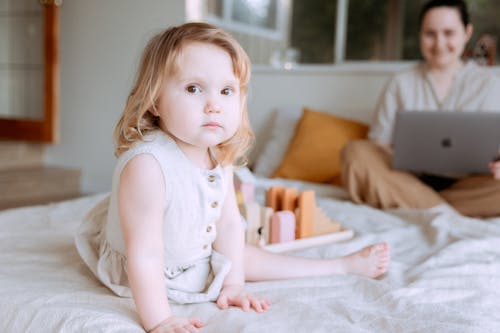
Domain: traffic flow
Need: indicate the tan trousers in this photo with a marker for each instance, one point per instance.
(368, 176)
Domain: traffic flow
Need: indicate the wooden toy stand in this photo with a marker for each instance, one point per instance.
(289, 221)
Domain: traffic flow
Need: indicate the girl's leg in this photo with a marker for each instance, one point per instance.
(260, 265)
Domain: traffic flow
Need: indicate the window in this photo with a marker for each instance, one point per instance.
(261, 26)
(335, 31)
(254, 17)
(375, 30)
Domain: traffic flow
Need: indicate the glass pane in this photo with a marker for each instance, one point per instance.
(313, 30)
(260, 13)
(410, 44)
(366, 30)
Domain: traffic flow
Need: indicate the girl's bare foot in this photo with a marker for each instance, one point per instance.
(372, 261)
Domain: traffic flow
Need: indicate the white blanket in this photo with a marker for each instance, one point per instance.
(444, 277)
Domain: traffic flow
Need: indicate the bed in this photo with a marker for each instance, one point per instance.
(444, 276)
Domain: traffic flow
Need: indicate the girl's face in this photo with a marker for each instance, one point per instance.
(443, 37)
(201, 105)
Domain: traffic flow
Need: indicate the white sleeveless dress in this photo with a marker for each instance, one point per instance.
(193, 201)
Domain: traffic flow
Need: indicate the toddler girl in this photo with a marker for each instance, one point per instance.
(171, 229)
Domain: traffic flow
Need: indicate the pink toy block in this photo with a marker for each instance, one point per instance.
(282, 227)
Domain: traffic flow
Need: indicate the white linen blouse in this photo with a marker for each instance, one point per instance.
(473, 89)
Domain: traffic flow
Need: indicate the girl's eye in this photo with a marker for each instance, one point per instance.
(193, 89)
(227, 91)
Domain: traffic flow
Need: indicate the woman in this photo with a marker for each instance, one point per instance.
(442, 82)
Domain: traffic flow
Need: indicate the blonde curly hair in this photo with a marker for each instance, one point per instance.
(159, 60)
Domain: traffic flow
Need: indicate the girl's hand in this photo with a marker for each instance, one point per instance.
(177, 325)
(495, 168)
(235, 295)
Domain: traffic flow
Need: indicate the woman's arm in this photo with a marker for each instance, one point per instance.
(381, 127)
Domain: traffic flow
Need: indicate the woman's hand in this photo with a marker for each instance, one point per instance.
(235, 295)
(495, 168)
(177, 325)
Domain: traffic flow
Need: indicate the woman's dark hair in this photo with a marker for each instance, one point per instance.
(459, 5)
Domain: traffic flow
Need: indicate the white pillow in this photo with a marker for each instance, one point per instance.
(282, 129)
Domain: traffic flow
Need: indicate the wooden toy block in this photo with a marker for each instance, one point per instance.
(274, 197)
(266, 214)
(323, 224)
(305, 214)
(253, 219)
(241, 202)
(282, 227)
(289, 200)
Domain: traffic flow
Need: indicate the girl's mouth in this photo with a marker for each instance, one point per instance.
(212, 124)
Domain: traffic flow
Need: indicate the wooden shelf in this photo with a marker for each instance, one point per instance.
(37, 185)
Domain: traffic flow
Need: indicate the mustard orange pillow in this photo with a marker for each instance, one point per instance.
(313, 153)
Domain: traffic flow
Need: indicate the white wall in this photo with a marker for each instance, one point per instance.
(343, 90)
(100, 44)
(101, 41)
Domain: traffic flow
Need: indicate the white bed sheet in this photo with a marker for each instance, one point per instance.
(444, 277)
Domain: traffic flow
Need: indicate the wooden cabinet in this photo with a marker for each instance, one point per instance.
(24, 180)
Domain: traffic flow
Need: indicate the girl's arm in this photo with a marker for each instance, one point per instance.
(230, 242)
(141, 196)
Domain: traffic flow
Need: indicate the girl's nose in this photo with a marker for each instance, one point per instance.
(212, 107)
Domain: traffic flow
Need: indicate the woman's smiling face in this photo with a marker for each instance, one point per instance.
(443, 37)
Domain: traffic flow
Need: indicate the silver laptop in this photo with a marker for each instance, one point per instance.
(445, 143)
